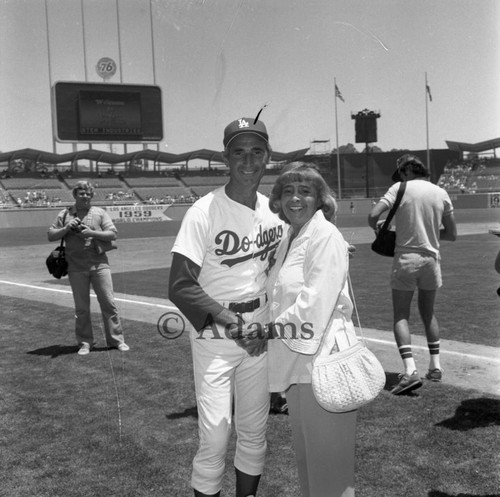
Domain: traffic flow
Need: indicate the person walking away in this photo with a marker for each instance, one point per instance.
(217, 280)
(88, 232)
(424, 218)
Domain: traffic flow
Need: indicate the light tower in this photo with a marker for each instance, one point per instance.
(366, 132)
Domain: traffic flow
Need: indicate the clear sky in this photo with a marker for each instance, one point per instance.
(218, 60)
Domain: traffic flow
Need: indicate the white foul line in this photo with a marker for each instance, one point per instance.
(450, 352)
(35, 287)
(130, 301)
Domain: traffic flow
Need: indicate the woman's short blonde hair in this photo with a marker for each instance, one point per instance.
(83, 185)
(303, 172)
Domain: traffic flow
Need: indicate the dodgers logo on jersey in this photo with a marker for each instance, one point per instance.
(230, 244)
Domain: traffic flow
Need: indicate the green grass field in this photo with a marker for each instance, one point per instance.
(116, 424)
(113, 424)
(467, 305)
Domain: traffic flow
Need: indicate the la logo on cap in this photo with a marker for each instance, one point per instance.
(244, 125)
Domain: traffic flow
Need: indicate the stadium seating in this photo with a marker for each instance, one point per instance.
(163, 194)
(98, 182)
(484, 183)
(154, 181)
(475, 175)
(40, 198)
(268, 179)
(30, 183)
(205, 180)
(5, 199)
(200, 191)
(471, 176)
(103, 196)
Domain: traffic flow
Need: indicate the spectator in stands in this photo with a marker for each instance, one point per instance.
(423, 209)
(89, 232)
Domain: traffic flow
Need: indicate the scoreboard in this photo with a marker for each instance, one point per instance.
(103, 112)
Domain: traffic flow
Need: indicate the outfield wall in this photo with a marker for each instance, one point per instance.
(35, 217)
(39, 216)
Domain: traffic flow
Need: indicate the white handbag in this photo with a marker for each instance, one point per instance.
(349, 376)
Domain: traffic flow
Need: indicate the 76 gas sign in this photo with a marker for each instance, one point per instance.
(106, 67)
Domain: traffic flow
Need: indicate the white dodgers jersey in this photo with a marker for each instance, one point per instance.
(231, 243)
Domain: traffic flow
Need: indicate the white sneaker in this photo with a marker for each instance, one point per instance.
(84, 349)
(123, 347)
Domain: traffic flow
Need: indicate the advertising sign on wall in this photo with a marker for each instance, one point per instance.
(138, 213)
(494, 200)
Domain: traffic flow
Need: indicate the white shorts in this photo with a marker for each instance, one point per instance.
(414, 270)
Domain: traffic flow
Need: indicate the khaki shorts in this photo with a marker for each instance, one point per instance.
(413, 270)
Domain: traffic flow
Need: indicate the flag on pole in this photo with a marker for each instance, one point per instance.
(428, 91)
(338, 94)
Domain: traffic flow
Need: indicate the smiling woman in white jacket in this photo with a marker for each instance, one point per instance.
(307, 282)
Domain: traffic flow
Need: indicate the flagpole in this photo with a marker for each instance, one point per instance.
(427, 124)
(120, 64)
(153, 52)
(49, 66)
(337, 140)
(82, 10)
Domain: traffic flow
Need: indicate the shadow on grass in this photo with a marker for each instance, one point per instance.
(190, 412)
(437, 493)
(54, 351)
(474, 413)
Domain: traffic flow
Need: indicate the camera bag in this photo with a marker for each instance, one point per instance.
(56, 261)
(385, 241)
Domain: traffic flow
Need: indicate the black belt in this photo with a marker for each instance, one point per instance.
(243, 307)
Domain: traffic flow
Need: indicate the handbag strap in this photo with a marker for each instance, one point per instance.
(323, 339)
(343, 341)
(399, 196)
(61, 245)
(351, 290)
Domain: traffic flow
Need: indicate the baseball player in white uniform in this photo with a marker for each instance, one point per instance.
(217, 280)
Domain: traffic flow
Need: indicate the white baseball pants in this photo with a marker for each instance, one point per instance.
(223, 371)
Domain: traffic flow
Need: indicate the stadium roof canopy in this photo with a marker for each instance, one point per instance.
(474, 147)
(153, 155)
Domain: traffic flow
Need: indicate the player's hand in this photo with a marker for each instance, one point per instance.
(253, 341)
(254, 346)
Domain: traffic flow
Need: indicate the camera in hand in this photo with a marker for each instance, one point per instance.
(79, 227)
